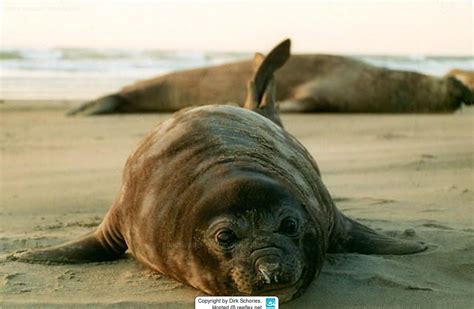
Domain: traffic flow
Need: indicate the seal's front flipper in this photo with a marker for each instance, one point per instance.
(93, 247)
(261, 89)
(104, 105)
(351, 236)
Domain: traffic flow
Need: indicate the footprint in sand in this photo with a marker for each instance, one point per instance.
(8, 278)
(151, 280)
(13, 282)
(67, 275)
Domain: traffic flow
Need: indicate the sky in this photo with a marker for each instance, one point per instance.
(415, 27)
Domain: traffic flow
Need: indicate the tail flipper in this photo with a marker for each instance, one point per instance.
(93, 247)
(261, 89)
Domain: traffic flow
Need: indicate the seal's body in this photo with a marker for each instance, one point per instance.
(225, 200)
(222, 175)
(306, 83)
(357, 87)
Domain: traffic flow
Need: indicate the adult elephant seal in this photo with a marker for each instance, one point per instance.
(307, 83)
(223, 199)
(363, 88)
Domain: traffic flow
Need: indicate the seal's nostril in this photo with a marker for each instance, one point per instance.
(271, 266)
(269, 270)
(265, 274)
(267, 264)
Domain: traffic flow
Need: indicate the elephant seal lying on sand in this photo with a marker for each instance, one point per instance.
(223, 199)
(307, 83)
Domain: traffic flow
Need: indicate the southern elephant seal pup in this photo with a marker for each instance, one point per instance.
(306, 83)
(223, 199)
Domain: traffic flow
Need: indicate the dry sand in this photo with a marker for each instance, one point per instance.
(408, 175)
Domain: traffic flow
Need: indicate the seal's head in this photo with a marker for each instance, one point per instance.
(459, 91)
(256, 240)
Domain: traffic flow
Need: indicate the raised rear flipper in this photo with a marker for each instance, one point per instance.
(351, 236)
(261, 89)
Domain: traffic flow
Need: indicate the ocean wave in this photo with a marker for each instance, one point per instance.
(84, 54)
(113, 54)
(433, 65)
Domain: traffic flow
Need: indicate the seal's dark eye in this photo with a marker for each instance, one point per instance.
(289, 226)
(226, 238)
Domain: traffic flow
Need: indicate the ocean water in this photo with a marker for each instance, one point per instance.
(83, 74)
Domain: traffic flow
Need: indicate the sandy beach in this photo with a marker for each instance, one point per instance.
(410, 176)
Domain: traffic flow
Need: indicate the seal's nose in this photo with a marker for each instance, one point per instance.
(269, 268)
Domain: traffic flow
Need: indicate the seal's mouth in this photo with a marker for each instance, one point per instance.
(264, 284)
(274, 273)
(275, 284)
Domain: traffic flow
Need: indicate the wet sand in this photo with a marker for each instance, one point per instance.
(408, 175)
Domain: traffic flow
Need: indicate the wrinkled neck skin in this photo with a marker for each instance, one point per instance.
(208, 171)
